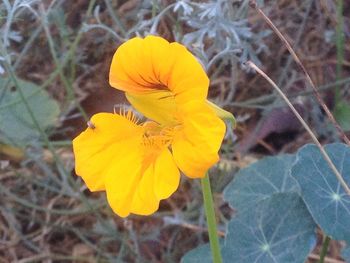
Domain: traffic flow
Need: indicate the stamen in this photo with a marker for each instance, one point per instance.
(128, 114)
(157, 136)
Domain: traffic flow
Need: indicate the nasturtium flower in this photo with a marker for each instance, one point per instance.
(139, 163)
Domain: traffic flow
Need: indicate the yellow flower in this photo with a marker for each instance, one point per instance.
(139, 164)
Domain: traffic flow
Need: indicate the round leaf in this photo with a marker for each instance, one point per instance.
(278, 229)
(261, 180)
(322, 193)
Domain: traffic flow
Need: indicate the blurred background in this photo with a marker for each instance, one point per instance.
(54, 62)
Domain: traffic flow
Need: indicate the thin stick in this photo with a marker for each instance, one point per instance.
(340, 39)
(253, 4)
(308, 129)
(327, 259)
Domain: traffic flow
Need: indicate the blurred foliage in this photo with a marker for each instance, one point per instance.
(17, 106)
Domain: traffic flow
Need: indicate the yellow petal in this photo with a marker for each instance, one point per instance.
(123, 177)
(157, 106)
(186, 76)
(116, 155)
(129, 70)
(139, 178)
(144, 201)
(167, 175)
(94, 149)
(195, 147)
(151, 68)
(159, 181)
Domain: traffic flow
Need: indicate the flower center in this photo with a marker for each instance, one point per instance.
(155, 139)
(158, 136)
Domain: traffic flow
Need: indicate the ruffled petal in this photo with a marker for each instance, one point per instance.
(113, 156)
(136, 184)
(195, 147)
(152, 68)
(96, 148)
(129, 70)
(186, 76)
(159, 181)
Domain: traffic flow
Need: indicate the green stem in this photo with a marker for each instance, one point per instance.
(211, 221)
(324, 249)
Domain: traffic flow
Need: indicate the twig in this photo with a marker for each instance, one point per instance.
(327, 259)
(308, 129)
(340, 46)
(253, 4)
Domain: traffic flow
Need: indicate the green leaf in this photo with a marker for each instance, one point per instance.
(201, 254)
(16, 125)
(259, 181)
(272, 222)
(342, 115)
(278, 229)
(322, 193)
